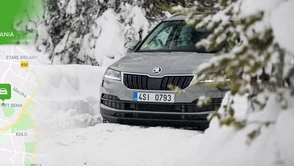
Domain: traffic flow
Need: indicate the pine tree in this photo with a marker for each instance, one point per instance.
(252, 61)
(69, 30)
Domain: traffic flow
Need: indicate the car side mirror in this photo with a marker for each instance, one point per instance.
(131, 45)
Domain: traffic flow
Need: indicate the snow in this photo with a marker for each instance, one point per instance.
(250, 7)
(72, 132)
(61, 45)
(278, 15)
(225, 146)
(115, 145)
(110, 43)
(140, 23)
(70, 97)
(71, 7)
(280, 147)
(106, 37)
(283, 27)
(71, 128)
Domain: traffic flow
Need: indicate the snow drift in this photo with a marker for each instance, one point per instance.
(72, 132)
(69, 97)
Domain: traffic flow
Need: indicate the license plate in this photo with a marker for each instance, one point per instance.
(154, 97)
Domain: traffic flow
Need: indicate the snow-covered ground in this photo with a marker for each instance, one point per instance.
(115, 145)
(71, 131)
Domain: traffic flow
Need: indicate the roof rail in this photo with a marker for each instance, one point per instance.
(176, 14)
(179, 14)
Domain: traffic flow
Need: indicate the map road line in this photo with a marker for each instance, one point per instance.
(37, 136)
(24, 109)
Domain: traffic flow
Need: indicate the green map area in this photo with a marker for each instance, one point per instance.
(12, 14)
(18, 87)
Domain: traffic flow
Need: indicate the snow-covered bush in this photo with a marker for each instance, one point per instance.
(257, 40)
(92, 32)
(84, 32)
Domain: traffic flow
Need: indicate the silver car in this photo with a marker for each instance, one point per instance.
(135, 90)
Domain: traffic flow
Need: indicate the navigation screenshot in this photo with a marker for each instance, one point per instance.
(146, 83)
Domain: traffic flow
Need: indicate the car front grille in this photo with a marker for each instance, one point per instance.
(114, 102)
(152, 83)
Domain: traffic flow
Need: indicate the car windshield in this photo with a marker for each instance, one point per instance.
(174, 36)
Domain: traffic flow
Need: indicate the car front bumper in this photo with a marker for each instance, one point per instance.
(152, 118)
(117, 106)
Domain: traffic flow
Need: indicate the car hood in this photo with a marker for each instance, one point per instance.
(170, 62)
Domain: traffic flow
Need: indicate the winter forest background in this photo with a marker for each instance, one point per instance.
(258, 62)
(259, 66)
(90, 32)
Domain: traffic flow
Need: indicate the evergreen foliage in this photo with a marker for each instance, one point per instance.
(70, 25)
(251, 59)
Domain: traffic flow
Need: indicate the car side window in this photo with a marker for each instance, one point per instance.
(185, 36)
(189, 35)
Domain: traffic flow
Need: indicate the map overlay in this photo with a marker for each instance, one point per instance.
(19, 83)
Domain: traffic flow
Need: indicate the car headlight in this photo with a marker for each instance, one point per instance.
(203, 79)
(209, 78)
(112, 74)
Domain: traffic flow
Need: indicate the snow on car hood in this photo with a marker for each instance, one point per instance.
(170, 62)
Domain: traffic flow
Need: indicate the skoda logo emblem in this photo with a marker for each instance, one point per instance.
(157, 70)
